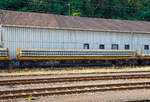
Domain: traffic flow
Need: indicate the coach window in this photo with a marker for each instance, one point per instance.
(127, 47)
(146, 47)
(114, 46)
(86, 46)
(101, 46)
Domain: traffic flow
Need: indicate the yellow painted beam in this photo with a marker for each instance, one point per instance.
(75, 58)
(145, 57)
(4, 58)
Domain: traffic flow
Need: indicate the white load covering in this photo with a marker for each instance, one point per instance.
(3, 52)
(74, 52)
(145, 52)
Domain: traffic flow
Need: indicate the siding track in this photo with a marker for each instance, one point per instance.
(71, 79)
(72, 90)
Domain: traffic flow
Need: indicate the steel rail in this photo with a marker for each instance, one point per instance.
(71, 79)
(72, 90)
(139, 101)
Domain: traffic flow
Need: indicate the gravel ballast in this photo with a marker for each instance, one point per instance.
(65, 84)
(65, 75)
(109, 96)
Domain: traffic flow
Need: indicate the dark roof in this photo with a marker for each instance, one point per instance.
(27, 19)
(60, 21)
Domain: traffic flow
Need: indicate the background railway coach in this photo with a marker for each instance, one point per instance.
(49, 31)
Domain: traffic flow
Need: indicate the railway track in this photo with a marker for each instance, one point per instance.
(71, 79)
(22, 93)
(139, 101)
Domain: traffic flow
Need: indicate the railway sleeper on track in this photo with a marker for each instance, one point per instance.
(72, 90)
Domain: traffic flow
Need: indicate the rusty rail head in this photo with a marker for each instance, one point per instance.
(72, 89)
(71, 79)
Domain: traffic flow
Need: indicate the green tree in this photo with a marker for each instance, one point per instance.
(113, 9)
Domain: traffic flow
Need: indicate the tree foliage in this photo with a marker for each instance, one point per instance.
(112, 9)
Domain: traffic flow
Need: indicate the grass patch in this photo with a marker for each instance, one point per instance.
(31, 97)
(43, 71)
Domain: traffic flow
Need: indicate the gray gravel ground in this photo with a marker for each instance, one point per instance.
(109, 96)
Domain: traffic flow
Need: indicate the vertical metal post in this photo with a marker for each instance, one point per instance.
(1, 23)
(1, 17)
(69, 9)
(132, 35)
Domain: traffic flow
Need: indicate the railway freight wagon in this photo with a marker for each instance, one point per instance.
(33, 31)
(72, 57)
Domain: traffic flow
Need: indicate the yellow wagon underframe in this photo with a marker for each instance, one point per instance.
(4, 58)
(145, 57)
(76, 58)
